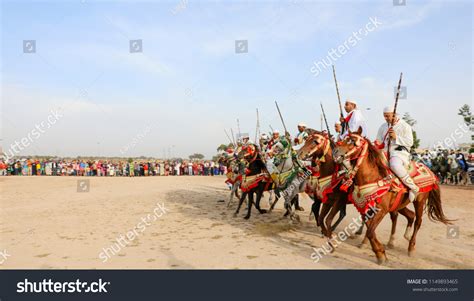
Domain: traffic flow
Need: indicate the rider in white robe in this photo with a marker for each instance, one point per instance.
(401, 136)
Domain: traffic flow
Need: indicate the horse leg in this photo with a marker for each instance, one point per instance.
(341, 205)
(297, 203)
(277, 197)
(250, 203)
(410, 216)
(270, 198)
(372, 224)
(419, 205)
(315, 209)
(393, 217)
(322, 216)
(232, 192)
(334, 210)
(260, 188)
(361, 228)
(241, 200)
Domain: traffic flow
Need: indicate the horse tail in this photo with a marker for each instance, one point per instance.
(434, 207)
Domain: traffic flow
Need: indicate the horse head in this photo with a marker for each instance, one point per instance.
(315, 145)
(351, 147)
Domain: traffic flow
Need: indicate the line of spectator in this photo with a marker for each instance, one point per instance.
(36, 167)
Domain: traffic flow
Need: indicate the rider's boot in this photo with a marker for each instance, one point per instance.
(413, 192)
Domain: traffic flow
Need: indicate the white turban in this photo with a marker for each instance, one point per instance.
(302, 124)
(276, 132)
(338, 123)
(351, 101)
(388, 110)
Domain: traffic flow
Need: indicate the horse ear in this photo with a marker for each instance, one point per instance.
(359, 130)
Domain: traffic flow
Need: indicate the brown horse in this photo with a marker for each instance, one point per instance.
(376, 191)
(325, 184)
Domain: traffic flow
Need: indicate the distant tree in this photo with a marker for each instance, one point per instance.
(130, 160)
(408, 119)
(465, 112)
(222, 147)
(196, 156)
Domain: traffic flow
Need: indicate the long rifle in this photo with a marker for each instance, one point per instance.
(394, 115)
(325, 120)
(343, 124)
(233, 137)
(238, 129)
(281, 118)
(232, 142)
(257, 128)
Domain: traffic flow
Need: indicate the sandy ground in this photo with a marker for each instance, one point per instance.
(45, 223)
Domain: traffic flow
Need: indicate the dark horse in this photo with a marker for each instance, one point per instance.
(255, 179)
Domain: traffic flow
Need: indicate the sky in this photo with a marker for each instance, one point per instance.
(188, 83)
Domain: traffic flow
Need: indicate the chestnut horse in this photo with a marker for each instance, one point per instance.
(376, 191)
(319, 147)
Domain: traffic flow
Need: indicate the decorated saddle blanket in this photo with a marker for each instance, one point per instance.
(233, 177)
(423, 177)
(250, 182)
(368, 195)
(322, 187)
(282, 180)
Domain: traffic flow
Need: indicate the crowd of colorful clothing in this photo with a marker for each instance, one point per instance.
(33, 167)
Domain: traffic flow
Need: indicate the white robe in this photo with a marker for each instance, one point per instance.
(356, 121)
(404, 138)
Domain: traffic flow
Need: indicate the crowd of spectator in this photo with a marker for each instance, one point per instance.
(113, 168)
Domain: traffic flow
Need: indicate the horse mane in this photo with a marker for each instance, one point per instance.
(311, 131)
(375, 157)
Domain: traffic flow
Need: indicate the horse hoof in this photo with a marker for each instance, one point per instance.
(235, 215)
(263, 211)
(381, 260)
(247, 217)
(300, 208)
(411, 253)
(390, 245)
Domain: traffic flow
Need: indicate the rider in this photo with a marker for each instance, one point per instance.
(301, 136)
(353, 120)
(401, 137)
(338, 129)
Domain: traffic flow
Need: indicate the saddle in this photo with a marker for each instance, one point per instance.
(250, 182)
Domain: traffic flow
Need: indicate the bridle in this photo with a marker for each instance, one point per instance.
(325, 146)
(361, 146)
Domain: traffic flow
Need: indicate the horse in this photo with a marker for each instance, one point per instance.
(255, 179)
(323, 186)
(234, 175)
(377, 191)
(288, 178)
(453, 170)
(325, 183)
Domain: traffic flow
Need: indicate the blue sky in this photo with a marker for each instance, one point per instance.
(189, 84)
